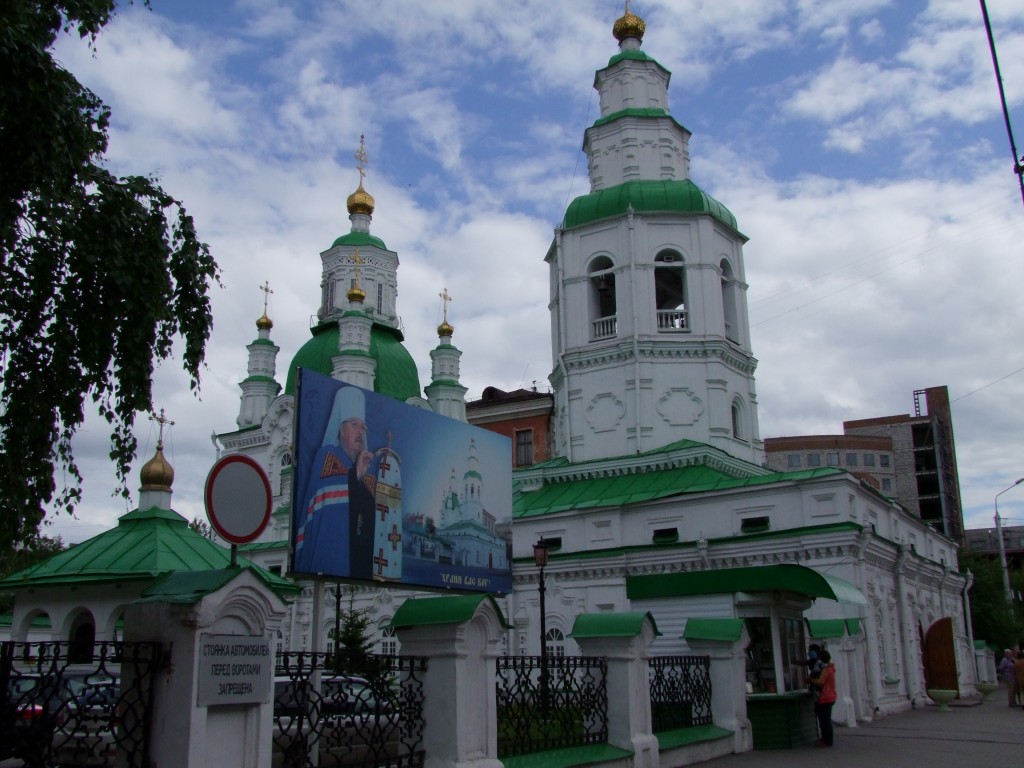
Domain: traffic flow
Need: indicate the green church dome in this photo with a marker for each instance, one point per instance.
(396, 377)
(645, 197)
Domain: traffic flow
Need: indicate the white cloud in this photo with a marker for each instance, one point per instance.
(860, 146)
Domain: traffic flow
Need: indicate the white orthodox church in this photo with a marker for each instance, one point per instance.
(658, 499)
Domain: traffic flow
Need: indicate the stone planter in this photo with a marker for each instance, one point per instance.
(942, 697)
(986, 690)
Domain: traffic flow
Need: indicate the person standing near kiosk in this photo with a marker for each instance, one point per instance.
(825, 683)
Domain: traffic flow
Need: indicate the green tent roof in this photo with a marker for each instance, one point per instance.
(396, 377)
(661, 196)
(787, 577)
(146, 544)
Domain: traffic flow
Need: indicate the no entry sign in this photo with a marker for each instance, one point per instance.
(238, 499)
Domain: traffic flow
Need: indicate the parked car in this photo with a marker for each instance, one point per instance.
(296, 716)
(345, 721)
(87, 733)
(361, 721)
(33, 707)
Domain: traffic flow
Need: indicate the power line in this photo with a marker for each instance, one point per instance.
(1017, 160)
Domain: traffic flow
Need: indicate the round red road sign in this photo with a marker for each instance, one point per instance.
(238, 499)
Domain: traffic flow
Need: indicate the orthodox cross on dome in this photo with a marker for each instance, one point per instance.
(161, 420)
(445, 299)
(266, 294)
(361, 159)
(357, 260)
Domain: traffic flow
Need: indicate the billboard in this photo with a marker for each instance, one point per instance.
(388, 492)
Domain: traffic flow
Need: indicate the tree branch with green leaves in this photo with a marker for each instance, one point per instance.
(100, 275)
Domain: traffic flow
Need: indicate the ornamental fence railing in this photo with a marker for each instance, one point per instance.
(680, 692)
(337, 709)
(542, 706)
(86, 703)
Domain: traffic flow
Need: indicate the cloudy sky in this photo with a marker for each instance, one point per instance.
(860, 144)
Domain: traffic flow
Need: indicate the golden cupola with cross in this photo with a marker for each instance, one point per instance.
(357, 335)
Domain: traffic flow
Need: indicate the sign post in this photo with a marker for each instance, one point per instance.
(237, 500)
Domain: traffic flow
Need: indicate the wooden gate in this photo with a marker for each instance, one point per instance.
(940, 656)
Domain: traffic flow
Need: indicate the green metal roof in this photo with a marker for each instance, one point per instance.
(788, 577)
(661, 196)
(360, 238)
(188, 587)
(636, 55)
(146, 544)
(824, 629)
(396, 377)
(628, 624)
(722, 630)
(636, 112)
(450, 609)
(586, 493)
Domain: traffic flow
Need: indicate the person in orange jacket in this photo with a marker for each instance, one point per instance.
(825, 683)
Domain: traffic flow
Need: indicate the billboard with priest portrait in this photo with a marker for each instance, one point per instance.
(388, 492)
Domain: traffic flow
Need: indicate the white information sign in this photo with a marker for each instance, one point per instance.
(234, 669)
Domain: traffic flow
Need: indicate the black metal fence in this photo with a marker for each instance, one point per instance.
(339, 710)
(566, 707)
(680, 692)
(77, 703)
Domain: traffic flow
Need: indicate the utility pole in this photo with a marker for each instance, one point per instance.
(1002, 547)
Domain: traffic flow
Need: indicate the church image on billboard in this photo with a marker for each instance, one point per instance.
(389, 492)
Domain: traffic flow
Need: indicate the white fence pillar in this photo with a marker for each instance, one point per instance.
(725, 646)
(182, 610)
(624, 639)
(460, 636)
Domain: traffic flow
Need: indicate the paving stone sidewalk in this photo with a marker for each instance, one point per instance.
(987, 735)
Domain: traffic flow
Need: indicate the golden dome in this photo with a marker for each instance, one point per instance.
(629, 25)
(356, 294)
(157, 474)
(361, 201)
(444, 329)
(264, 323)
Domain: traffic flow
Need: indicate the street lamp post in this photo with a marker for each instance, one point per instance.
(1002, 547)
(540, 557)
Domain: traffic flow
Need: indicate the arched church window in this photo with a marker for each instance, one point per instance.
(286, 459)
(388, 641)
(603, 324)
(554, 642)
(730, 302)
(670, 291)
(737, 419)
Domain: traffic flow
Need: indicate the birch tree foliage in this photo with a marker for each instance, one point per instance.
(100, 275)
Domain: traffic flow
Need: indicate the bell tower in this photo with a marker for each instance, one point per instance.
(649, 321)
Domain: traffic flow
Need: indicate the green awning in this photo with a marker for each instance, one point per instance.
(724, 630)
(824, 629)
(788, 577)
